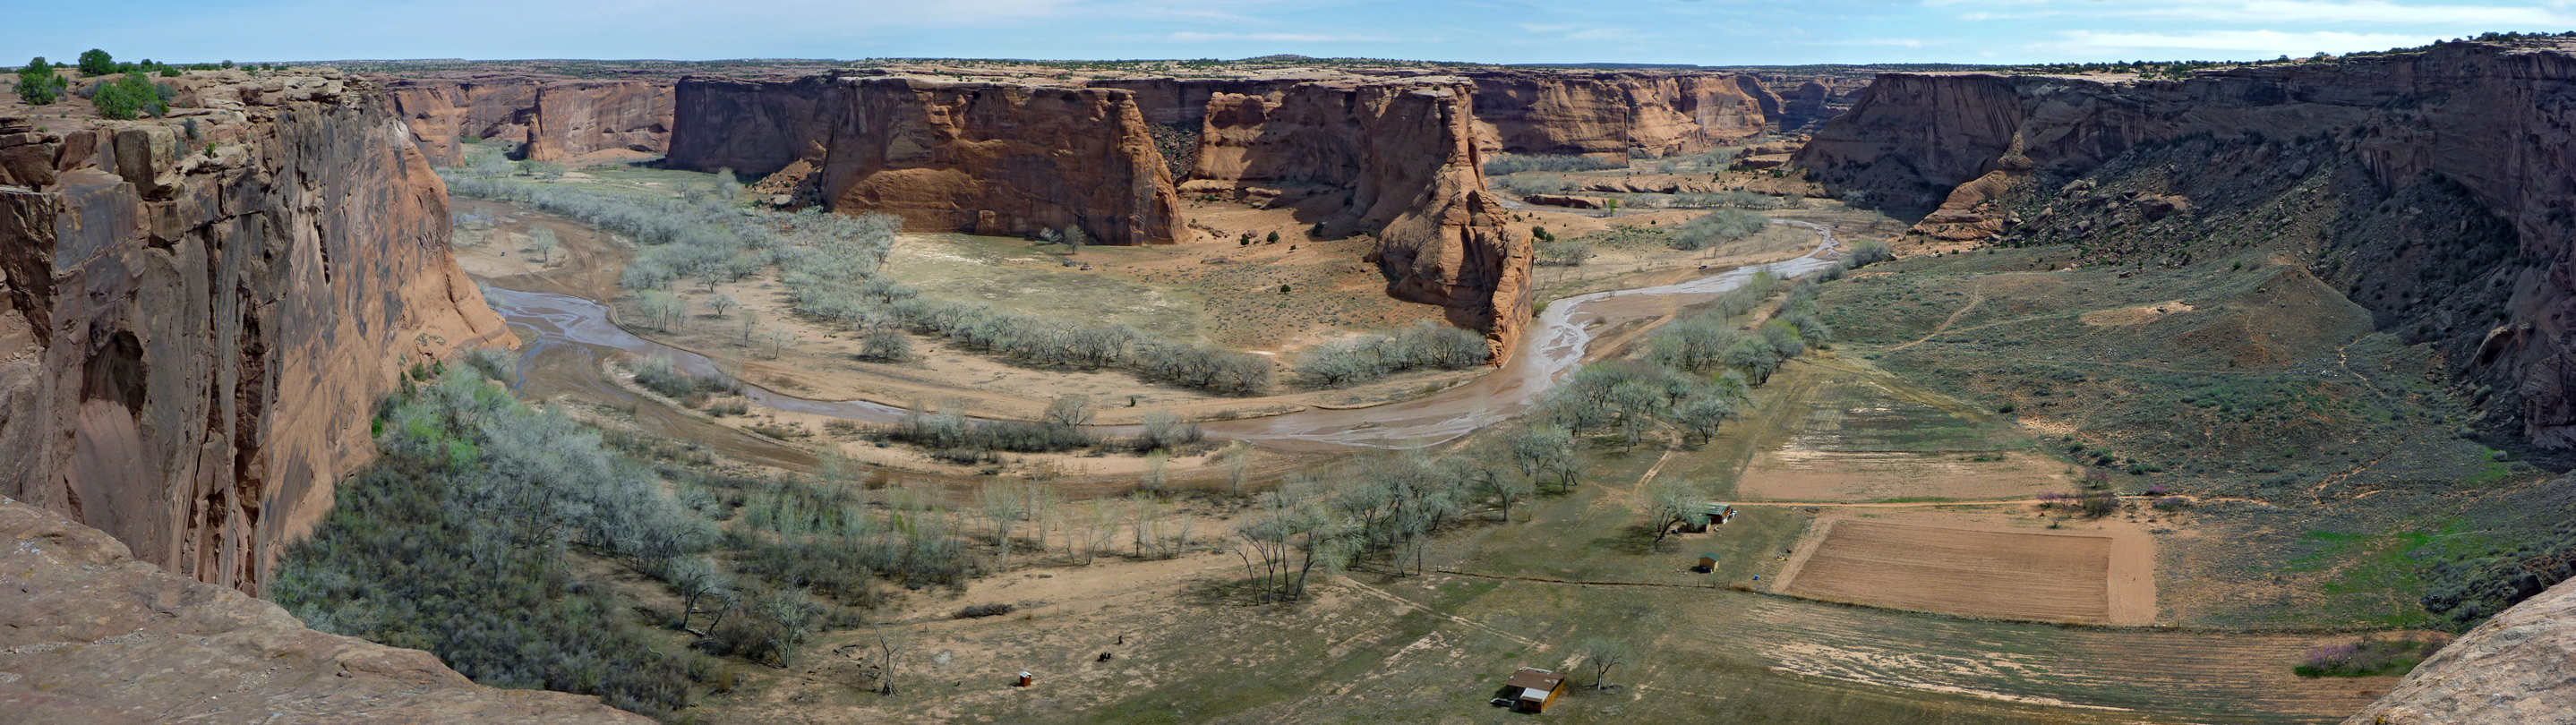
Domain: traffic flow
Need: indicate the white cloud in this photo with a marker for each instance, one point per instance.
(2234, 43)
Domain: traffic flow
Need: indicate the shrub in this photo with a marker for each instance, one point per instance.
(1506, 164)
(38, 85)
(1715, 228)
(455, 542)
(978, 611)
(128, 97)
(2367, 658)
(1423, 346)
(886, 344)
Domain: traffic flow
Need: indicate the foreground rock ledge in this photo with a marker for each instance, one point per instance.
(89, 634)
(2513, 669)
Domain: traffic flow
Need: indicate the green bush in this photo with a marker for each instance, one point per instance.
(37, 83)
(129, 97)
(1717, 227)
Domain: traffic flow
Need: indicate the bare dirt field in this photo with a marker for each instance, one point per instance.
(1959, 567)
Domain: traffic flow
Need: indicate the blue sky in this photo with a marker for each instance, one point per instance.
(1707, 32)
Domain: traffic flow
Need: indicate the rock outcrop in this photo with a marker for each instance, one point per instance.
(1394, 157)
(557, 119)
(2491, 116)
(1660, 113)
(89, 634)
(199, 314)
(2512, 670)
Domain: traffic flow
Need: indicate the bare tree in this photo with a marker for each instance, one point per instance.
(779, 339)
(1238, 466)
(891, 643)
(1603, 653)
(1157, 471)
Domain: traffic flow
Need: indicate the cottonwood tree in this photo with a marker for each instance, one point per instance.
(1068, 411)
(1157, 471)
(1700, 414)
(1671, 503)
(779, 339)
(697, 579)
(887, 344)
(1290, 534)
(543, 239)
(1238, 466)
(1005, 504)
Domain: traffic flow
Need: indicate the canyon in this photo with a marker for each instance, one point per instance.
(2491, 117)
(207, 308)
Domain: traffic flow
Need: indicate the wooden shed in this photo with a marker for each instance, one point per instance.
(1533, 690)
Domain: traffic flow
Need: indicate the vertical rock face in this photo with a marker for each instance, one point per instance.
(2490, 116)
(88, 634)
(194, 332)
(558, 119)
(1392, 157)
(1660, 113)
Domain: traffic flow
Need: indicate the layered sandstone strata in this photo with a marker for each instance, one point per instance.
(1393, 157)
(199, 314)
(2490, 116)
(556, 119)
(1660, 113)
(89, 634)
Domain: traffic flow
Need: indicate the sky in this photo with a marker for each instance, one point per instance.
(1700, 32)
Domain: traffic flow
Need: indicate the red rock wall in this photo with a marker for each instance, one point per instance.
(992, 158)
(1661, 113)
(2492, 117)
(192, 345)
(558, 119)
(1391, 157)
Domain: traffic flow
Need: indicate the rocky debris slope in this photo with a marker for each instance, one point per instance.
(558, 119)
(89, 634)
(2490, 116)
(2510, 670)
(198, 314)
(1659, 113)
(1395, 157)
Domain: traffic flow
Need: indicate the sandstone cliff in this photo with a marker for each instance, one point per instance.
(2510, 670)
(1385, 156)
(194, 332)
(1661, 113)
(2489, 116)
(558, 119)
(89, 634)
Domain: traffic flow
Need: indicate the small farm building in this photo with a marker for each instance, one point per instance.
(1533, 690)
